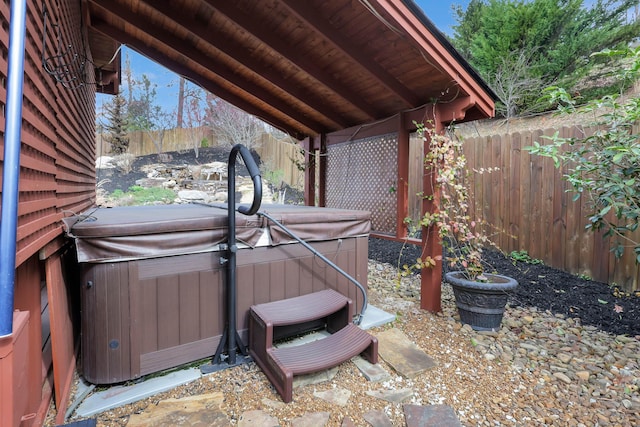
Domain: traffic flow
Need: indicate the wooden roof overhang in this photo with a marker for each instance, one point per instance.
(323, 71)
(306, 67)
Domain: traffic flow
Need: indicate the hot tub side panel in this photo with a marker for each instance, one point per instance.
(148, 315)
(143, 316)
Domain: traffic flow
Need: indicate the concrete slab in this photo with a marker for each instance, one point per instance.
(373, 373)
(83, 423)
(304, 339)
(122, 395)
(402, 354)
(431, 415)
(373, 317)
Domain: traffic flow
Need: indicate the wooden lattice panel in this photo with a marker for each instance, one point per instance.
(362, 175)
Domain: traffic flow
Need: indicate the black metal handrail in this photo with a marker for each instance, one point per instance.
(230, 337)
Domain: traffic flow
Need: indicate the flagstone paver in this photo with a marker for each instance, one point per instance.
(202, 410)
(257, 419)
(403, 355)
(392, 395)
(373, 373)
(430, 415)
(336, 396)
(316, 419)
(377, 419)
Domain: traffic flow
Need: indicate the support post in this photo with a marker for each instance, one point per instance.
(322, 171)
(309, 172)
(402, 181)
(431, 278)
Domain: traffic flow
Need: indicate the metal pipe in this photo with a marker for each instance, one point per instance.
(232, 246)
(11, 163)
(326, 260)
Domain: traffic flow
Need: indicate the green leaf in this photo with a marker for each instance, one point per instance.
(618, 157)
(601, 301)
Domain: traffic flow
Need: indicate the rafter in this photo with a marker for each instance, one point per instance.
(189, 53)
(261, 33)
(307, 14)
(237, 53)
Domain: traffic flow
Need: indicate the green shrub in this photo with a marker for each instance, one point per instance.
(137, 195)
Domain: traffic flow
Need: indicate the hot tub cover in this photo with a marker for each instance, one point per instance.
(137, 232)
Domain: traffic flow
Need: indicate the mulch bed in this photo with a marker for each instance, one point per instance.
(598, 304)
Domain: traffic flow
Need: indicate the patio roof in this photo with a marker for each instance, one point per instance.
(306, 67)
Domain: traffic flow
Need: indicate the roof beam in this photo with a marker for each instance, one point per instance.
(180, 48)
(404, 15)
(261, 33)
(298, 132)
(238, 53)
(308, 15)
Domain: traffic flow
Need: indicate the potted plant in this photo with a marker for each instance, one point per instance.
(480, 294)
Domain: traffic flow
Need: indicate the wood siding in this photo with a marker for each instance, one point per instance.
(56, 178)
(57, 174)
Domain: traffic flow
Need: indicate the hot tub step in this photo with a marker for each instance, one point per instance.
(304, 308)
(269, 320)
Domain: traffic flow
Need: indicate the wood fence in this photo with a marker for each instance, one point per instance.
(276, 154)
(526, 207)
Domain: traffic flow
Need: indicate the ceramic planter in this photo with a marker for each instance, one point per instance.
(481, 304)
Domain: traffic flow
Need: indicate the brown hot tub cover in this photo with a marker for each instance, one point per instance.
(138, 232)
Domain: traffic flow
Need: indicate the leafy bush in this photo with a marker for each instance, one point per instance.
(463, 239)
(523, 256)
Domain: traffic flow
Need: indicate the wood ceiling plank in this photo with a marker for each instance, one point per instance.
(248, 23)
(246, 58)
(312, 18)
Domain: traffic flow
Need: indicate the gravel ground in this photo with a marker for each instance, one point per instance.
(540, 369)
(568, 354)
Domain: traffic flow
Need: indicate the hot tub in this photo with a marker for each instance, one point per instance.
(153, 277)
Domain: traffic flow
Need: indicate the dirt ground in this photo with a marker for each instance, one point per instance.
(546, 288)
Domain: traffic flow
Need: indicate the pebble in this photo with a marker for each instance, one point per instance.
(576, 364)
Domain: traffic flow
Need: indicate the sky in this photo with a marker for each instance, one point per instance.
(438, 11)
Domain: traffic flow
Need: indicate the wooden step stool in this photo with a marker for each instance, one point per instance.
(284, 318)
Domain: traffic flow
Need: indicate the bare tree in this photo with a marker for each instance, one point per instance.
(514, 82)
(194, 115)
(179, 121)
(231, 125)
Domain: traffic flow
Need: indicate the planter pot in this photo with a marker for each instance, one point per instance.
(481, 304)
